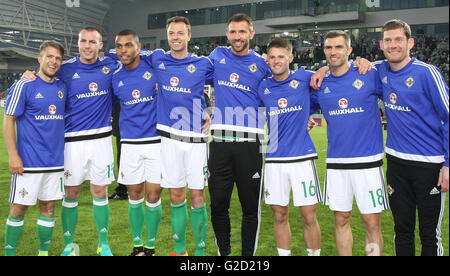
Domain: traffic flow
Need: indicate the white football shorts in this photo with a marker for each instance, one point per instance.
(300, 177)
(27, 188)
(184, 164)
(140, 163)
(89, 160)
(366, 185)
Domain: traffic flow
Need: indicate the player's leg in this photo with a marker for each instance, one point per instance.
(45, 225)
(403, 206)
(174, 179)
(14, 228)
(282, 230)
(374, 238)
(306, 195)
(343, 232)
(132, 175)
(153, 191)
(371, 197)
(339, 197)
(24, 193)
(220, 186)
(75, 166)
(311, 229)
(52, 189)
(179, 218)
(248, 171)
(197, 177)
(199, 220)
(430, 205)
(153, 215)
(277, 190)
(101, 175)
(136, 215)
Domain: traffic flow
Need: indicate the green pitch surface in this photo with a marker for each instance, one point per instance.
(120, 239)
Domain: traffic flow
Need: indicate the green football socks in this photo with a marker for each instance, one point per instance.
(69, 218)
(101, 217)
(199, 223)
(45, 230)
(13, 233)
(179, 221)
(136, 214)
(153, 220)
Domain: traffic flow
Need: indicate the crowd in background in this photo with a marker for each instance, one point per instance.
(429, 49)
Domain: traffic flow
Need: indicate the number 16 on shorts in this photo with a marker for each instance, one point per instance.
(301, 177)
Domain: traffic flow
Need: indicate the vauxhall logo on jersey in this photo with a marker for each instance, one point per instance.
(174, 83)
(136, 94)
(234, 83)
(343, 105)
(393, 98)
(52, 116)
(93, 88)
(282, 104)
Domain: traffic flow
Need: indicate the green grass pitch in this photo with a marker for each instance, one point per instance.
(120, 239)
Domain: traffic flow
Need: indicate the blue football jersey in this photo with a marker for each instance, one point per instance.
(350, 106)
(416, 103)
(89, 100)
(181, 101)
(287, 106)
(39, 109)
(236, 82)
(136, 91)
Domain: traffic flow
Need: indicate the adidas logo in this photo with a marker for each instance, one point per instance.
(175, 237)
(435, 191)
(256, 175)
(266, 92)
(75, 76)
(67, 234)
(137, 239)
(201, 245)
(104, 230)
(222, 61)
(385, 80)
(120, 84)
(161, 66)
(9, 247)
(39, 96)
(327, 90)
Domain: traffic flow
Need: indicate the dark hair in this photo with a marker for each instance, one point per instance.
(338, 33)
(395, 24)
(92, 29)
(239, 17)
(279, 42)
(51, 43)
(129, 32)
(177, 19)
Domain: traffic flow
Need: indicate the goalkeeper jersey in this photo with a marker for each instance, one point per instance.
(287, 105)
(39, 109)
(416, 103)
(236, 82)
(350, 106)
(136, 91)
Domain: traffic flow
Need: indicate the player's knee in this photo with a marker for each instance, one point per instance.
(99, 191)
(72, 193)
(281, 216)
(342, 219)
(18, 211)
